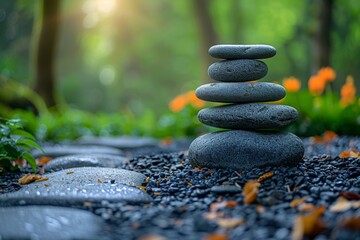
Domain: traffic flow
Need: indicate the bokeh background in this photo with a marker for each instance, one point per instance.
(139, 54)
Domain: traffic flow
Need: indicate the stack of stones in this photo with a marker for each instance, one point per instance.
(252, 140)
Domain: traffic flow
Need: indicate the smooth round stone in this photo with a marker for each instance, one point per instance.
(240, 70)
(246, 149)
(48, 222)
(229, 51)
(64, 150)
(240, 92)
(85, 160)
(123, 142)
(248, 116)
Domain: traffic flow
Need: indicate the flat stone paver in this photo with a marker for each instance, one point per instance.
(48, 222)
(75, 186)
(85, 160)
(124, 143)
(64, 150)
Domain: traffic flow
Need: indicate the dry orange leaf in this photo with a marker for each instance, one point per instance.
(352, 223)
(99, 180)
(229, 204)
(306, 207)
(350, 195)
(309, 225)
(29, 178)
(216, 236)
(229, 223)
(43, 160)
(250, 191)
(342, 204)
(151, 237)
(327, 137)
(352, 154)
(296, 202)
(265, 176)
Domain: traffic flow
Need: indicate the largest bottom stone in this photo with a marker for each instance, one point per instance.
(238, 149)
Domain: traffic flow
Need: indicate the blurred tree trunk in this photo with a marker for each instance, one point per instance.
(46, 50)
(322, 36)
(208, 36)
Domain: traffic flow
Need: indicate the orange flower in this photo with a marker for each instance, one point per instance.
(327, 74)
(291, 84)
(348, 91)
(194, 100)
(316, 85)
(178, 103)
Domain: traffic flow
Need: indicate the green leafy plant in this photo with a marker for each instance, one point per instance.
(15, 143)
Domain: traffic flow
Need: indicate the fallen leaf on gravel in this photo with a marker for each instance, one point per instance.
(43, 160)
(260, 209)
(99, 180)
(309, 225)
(342, 204)
(296, 202)
(151, 237)
(327, 137)
(29, 178)
(229, 223)
(142, 188)
(228, 204)
(216, 236)
(306, 207)
(352, 154)
(70, 172)
(46, 185)
(250, 191)
(352, 223)
(350, 195)
(265, 176)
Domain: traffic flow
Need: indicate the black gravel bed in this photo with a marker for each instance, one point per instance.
(185, 198)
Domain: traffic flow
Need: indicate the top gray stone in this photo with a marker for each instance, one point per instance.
(242, 51)
(48, 222)
(64, 150)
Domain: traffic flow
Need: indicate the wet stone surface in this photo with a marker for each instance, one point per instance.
(85, 160)
(46, 222)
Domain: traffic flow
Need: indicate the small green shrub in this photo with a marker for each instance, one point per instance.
(15, 143)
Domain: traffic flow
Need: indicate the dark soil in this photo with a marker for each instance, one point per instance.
(185, 197)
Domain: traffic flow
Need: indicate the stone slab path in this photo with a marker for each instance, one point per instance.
(47, 222)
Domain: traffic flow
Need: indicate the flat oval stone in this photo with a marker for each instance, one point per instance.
(229, 51)
(85, 160)
(49, 222)
(240, 70)
(63, 150)
(75, 186)
(244, 150)
(248, 116)
(240, 92)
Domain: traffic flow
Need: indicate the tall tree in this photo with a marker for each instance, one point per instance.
(46, 50)
(208, 36)
(322, 36)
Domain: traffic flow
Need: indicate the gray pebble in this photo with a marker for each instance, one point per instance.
(223, 189)
(248, 116)
(228, 51)
(237, 70)
(245, 149)
(240, 92)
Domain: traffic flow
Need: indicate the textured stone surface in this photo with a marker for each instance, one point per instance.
(248, 116)
(119, 142)
(237, 70)
(245, 149)
(77, 185)
(240, 92)
(63, 150)
(85, 160)
(242, 51)
(47, 222)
